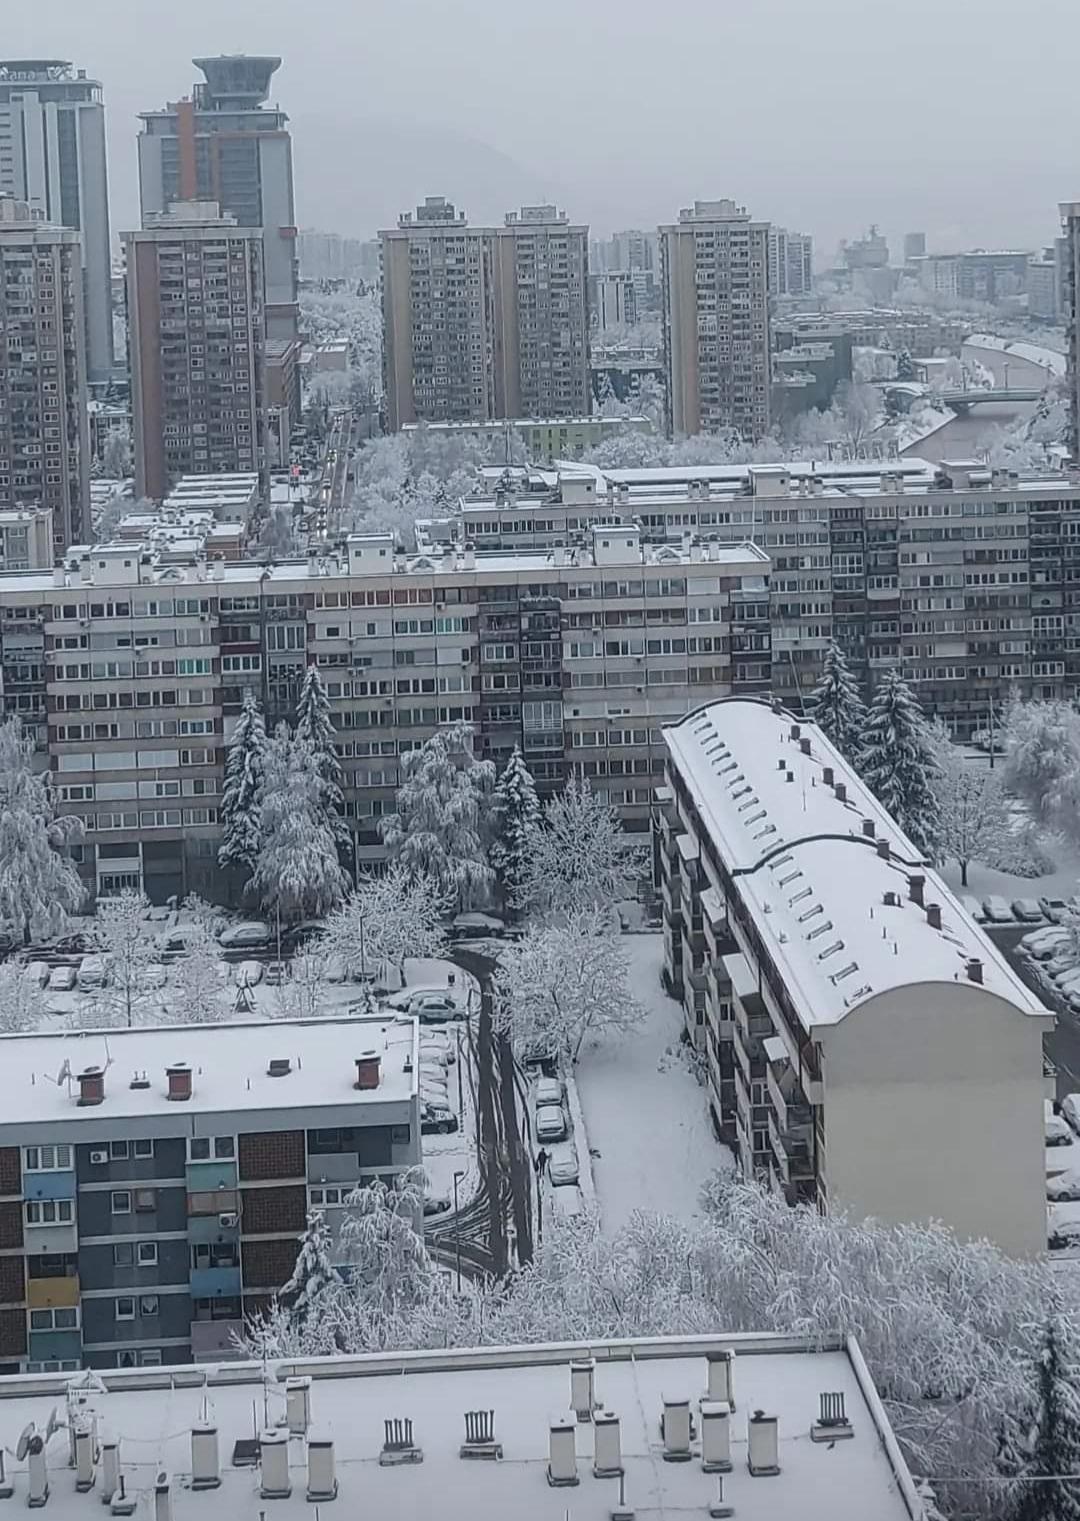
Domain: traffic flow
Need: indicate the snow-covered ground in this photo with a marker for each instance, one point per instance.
(645, 1112)
(1062, 882)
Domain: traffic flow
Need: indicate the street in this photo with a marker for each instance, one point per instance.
(333, 488)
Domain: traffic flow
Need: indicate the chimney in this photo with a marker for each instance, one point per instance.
(562, 1453)
(883, 849)
(162, 1498)
(777, 705)
(582, 1374)
(205, 1459)
(468, 560)
(675, 1429)
(916, 884)
(37, 1492)
(933, 915)
(274, 1464)
(321, 1478)
(110, 1468)
(804, 745)
(841, 792)
(975, 969)
(91, 1086)
(868, 828)
(794, 731)
(298, 1405)
(368, 1065)
(218, 571)
(179, 1076)
(827, 775)
(715, 1436)
(720, 1388)
(607, 1446)
(560, 555)
(59, 576)
(764, 1444)
(84, 1456)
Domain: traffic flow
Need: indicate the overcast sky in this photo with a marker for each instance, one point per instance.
(952, 116)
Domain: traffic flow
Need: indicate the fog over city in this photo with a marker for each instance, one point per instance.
(939, 114)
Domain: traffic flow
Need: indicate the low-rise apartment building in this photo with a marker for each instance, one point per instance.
(132, 670)
(154, 1182)
(867, 1048)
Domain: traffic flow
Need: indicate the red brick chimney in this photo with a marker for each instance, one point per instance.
(368, 1070)
(92, 1086)
(179, 1075)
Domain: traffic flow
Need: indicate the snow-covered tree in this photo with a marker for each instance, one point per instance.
(898, 763)
(972, 812)
(443, 804)
(39, 886)
(1042, 762)
(578, 855)
(196, 977)
(564, 982)
(124, 938)
(314, 1275)
(515, 815)
(22, 1002)
(1040, 1451)
(302, 990)
(297, 874)
(315, 726)
(116, 460)
(382, 1242)
(239, 812)
(391, 915)
(836, 705)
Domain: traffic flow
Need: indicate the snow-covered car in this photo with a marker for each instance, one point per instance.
(563, 1169)
(1054, 909)
(1065, 1186)
(1062, 969)
(436, 1120)
(1058, 1132)
(1027, 910)
(972, 906)
(248, 934)
(300, 934)
(437, 1006)
(1042, 943)
(335, 970)
(997, 910)
(38, 971)
(93, 973)
(550, 1123)
(434, 1046)
(549, 1090)
(476, 926)
(249, 974)
(1063, 1226)
(62, 979)
(436, 1204)
(177, 940)
(152, 977)
(1070, 1111)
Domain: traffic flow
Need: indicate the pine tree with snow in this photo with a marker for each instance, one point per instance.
(315, 725)
(516, 813)
(836, 706)
(39, 885)
(443, 806)
(297, 872)
(314, 1274)
(240, 793)
(1040, 1449)
(898, 764)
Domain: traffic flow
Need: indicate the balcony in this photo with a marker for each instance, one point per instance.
(792, 1112)
(55, 1346)
(793, 1159)
(215, 1283)
(208, 1177)
(52, 1293)
(214, 1340)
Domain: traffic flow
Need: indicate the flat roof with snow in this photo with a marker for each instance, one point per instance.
(826, 873)
(229, 1065)
(151, 1412)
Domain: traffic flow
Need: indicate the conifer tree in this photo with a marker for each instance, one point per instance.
(1040, 1448)
(516, 815)
(314, 1272)
(240, 793)
(897, 761)
(315, 725)
(836, 706)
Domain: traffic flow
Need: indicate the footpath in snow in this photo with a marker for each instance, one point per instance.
(645, 1112)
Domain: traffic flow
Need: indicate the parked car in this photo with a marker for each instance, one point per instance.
(972, 906)
(987, 740)
(1063, 1227)
(38, 971)
(550, 1123)
(1027, 910)
(1055, 909)
(62, 979)
(1064, 1187)
(1070, 1111)
(298, 935)
(563, 1169)
(249, 974)
(436, 1204)
(437, 1121)
(549, 1090)
(476, 926)
(997, 910)
(93, 973)
(153, 976)
(248, 934)
(1041, 943)
(435, 1006)
(1058, 1132)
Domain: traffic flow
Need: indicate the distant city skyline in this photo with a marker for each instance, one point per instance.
(926, 160)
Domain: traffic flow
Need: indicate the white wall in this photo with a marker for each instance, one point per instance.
(934, 1109)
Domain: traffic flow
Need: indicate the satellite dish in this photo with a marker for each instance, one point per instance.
(52, 1426)
(64, 1074)
(22, 1447)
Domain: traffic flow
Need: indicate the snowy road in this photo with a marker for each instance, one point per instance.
(645, 1112)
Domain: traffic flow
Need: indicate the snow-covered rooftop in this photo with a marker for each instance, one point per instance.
(151, 1413)
(824, 870)
(229, 1074)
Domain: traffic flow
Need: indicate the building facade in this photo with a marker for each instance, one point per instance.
(1068, 247)
(612, 300)
(152, 1196)
(195, 286)
(791, 263)
(839, 991)
(44, 434)
(132, 670)
(52, 155)
(227, 145)
(482, 323)
(715, 276)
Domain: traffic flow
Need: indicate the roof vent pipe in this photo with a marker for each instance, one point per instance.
(162, 1498)
(110, 1468)
(868, 828)
(205, 1457)
(84, 1456)
(37, 1474)
(883, 849)
(607, 1446)
(562, 1453)
(827, 775)
(298, 1405)
(933, 915)
(321, 1477)
(582, 1374)
(274, 1464)
(975, 969)
(763, 1456)
(721, 1377)
(916, 884)
(715, 1436)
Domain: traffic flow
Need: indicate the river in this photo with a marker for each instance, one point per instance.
(960, 438)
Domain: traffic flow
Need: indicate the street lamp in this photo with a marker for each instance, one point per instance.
(457, 1228)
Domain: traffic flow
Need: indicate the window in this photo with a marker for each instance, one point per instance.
(54, 1320)
(50, 1212)
(120, 1201)
(148, 1304)
(147, 1253)
(330, 1196)
(145, 1199)
(142, 1148)
(47, 1158)
(123, 1254)
(150, 1357)
(125, 1307)
(202, 1148)
(118, 1151)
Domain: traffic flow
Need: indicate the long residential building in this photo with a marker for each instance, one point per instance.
(867, 1048)
(483, 322)
(132, 670)
(1068, 250)
(154, 1182)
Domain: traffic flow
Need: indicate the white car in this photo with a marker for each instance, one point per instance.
(997, 910)
(38, 971)
(93, 973)
(249, 974)
(549, 1090)
(1058, 1132)
(1041, 944)
(1027, 910)
(550, 1123)
(249, 934)
(438, 1006)
(62, 979)
(1070, 1111)
(563, 1169)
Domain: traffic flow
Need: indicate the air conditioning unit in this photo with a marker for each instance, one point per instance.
(229, 1221)
(99, 1158)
